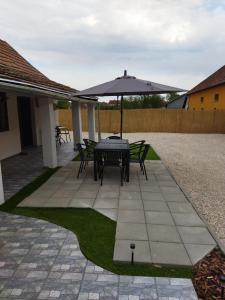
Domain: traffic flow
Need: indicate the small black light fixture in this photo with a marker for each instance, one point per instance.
(222, 284)
(132, 247)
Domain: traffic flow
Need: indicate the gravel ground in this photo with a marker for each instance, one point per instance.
(197, 161)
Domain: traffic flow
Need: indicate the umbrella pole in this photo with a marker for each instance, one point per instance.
(121, 117)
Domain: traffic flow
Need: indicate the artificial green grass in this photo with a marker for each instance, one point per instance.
(152, 155)
(10, 204)
(96, 235)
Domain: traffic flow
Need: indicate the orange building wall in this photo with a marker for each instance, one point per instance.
(209, 103)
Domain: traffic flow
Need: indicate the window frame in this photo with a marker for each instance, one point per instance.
(216, 97)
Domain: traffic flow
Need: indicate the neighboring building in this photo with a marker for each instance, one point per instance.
(209, 94)
(27, 116)
(178, 103)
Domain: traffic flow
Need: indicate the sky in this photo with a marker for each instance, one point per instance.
(82, 43)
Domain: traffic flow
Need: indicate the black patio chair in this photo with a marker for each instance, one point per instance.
(58, 136)
(90, 146)
(84, 158)
(65, 131)
(140, 157)
(135, 149)
(111, 159)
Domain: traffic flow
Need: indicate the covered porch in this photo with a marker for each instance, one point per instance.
(29, 143)
(21, 169)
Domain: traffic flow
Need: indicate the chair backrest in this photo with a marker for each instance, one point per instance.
(137, 143)
(89, 142)
(90, 145)
(113, 137)
(57, 130)
(145, 152)
(80, 150)
(136, 148)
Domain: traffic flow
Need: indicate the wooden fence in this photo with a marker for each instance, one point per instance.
(153, 120)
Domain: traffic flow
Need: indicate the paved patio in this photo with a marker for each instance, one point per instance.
(20, 170)
(153, 214)
(40, 260)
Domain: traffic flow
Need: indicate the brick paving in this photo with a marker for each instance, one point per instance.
(40, 260)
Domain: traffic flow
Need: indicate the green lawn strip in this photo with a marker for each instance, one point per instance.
(10, 204)
(96, 235)
(152, 155)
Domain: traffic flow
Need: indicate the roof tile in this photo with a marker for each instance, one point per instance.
(214, 79)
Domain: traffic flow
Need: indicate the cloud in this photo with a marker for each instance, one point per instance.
(85, 42)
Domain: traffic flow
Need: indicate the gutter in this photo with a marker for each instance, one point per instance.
(34, 89)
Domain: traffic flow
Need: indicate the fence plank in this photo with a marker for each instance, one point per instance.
(153, 120)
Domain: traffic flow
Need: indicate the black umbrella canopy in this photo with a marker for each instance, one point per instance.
(128, 85)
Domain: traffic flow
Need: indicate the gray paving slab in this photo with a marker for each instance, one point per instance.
(159, 217)
(131, 216)
(130, 205)
(169, 253)
(131, 231)
(196, 252)
(163, 233)
(156, 206)
(122, 251)
(149, 196)
(129, 195)
(187, 219)
(150, 210)
(181, 207)
(195, 235)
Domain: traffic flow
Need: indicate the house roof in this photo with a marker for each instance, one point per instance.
(178, 102)
(14, 67)
(214, 79)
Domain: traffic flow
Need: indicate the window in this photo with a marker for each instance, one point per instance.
(4, 123)
(216, 97)
(202, 99)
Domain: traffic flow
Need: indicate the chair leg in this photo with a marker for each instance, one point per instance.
(121, 175)
(146, 176)
(80, 169)
(102, 172)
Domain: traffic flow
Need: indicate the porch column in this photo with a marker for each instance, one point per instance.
(91, 121)
(2, 198)
(77, 123)
(47, 116)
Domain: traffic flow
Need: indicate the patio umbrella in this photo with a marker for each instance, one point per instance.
(127, 85)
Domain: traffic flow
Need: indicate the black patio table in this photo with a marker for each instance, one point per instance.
(113, 141)
(112, 146)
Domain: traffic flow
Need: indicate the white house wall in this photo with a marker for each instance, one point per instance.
(10, 140)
